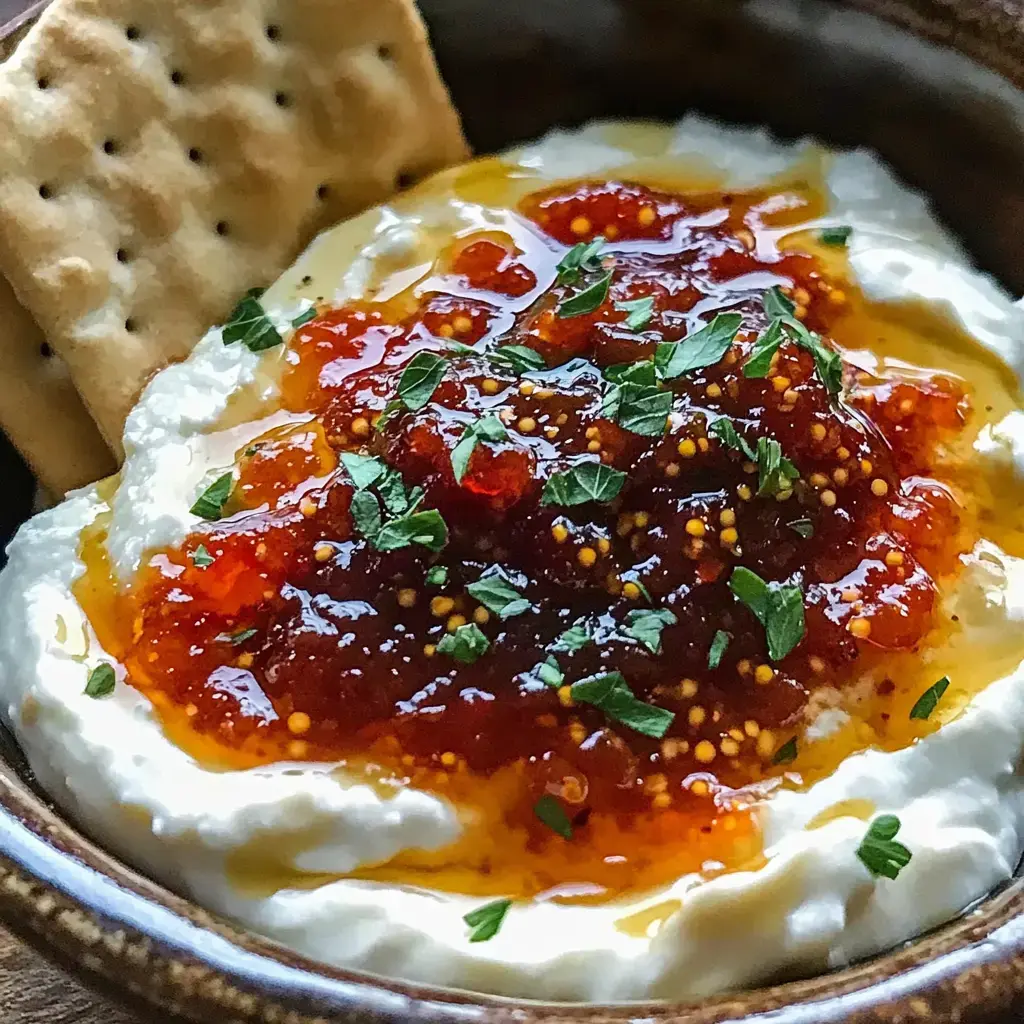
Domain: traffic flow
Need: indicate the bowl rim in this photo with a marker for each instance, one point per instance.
(127, 934)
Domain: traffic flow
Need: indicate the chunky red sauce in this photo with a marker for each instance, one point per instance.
(300, 641)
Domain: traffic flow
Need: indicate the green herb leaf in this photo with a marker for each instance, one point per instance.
(363, 470)
(572, 640)
(496, 594)
(610, 692)
(587, 300)
(549, 673)
(425, 528)
(828, 363)
(465, 645)
(786, 753)
(397, 500)
(485, 922)
(804, 527)
(760, 360)
(838, 235)
(419, 380)
(391, 410)
(305, 317)
(878, 851)
(779, 609)
(925, 704)
(366, 517)
(437, 576)
(718, 648)
(640, 312)
(646, 624)
(582, 258)
(638, 409)
(236, 638)
(552, 814)
(725, 430)
(518, 358)
(777, 305)
(101, 681)
(774, 471)
(587, 481)
(704, 348)
(642, 373)
(250, 325)
(201, 558)
(210, 504)
(487, 428)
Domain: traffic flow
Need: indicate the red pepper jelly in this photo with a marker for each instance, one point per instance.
(575, 535)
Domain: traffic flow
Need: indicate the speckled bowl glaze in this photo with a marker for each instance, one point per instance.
(516, 69)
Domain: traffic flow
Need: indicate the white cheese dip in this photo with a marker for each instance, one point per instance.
(813, 905)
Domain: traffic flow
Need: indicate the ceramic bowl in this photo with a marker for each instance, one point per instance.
(858, 73)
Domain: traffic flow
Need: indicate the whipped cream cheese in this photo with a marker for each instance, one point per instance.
(812, 905)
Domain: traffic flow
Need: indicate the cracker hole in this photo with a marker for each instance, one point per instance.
(273, 33)
(195, 155)
(43, 82)
(322, 192)
(384, 52)
(110, 147)
(221, 227)
(405, 179)
(122, 255)
(177, 77)
(130, 325)
(306, 281)
(45, 350)
(133, 33)
(282, 99)
(45, 191)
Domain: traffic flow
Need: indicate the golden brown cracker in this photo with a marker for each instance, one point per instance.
(159, 158)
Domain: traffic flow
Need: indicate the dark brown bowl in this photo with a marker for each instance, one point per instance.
(516, 68)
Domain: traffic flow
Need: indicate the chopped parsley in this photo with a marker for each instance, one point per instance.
(610, 692)
(640, 312)
(304, 317)
(487, 428)
(494, 591)
(779, 609)
(725, 430)
(427, 529)
(210, 504)
(518, 358)
(582, 258)
(419, 380)
(639, 408)
(549, 673)
(486, 921)
(201, 558)
(704, 348)
(552, 814)
(101, 681)
(718, 648)
(587, 481)
(236, 638)
(646, 624)
(804, 527)
(363, 470)
(775, 473)
(759, 362)
(587, 299)
(925, 704)
(437, 576)
(250, 325)
(838, 235)
(786, 754)
(465, 645)
(641, 372)
(879, 852)
(573, 639)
